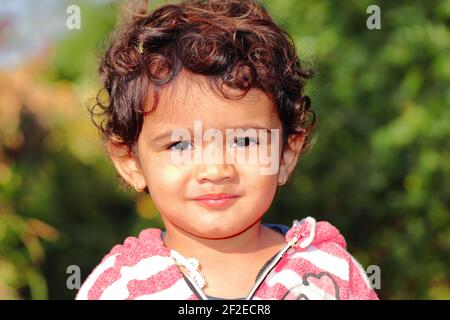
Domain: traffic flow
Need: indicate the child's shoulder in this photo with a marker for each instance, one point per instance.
(137, 258)
(319, 254)
(149, 242)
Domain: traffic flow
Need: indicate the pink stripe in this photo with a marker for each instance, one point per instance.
(158, 282)
(274, 292)
(134, 249)
(108, 277)
(358, 289)
(327, 232)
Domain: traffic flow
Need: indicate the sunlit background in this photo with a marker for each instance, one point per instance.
(379, 171)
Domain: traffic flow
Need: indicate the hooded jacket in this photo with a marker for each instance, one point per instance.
(314, 264)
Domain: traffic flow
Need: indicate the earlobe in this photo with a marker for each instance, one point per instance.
(282, 179)
(127, 164)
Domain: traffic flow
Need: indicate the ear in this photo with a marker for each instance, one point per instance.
(290, 157)
(127, 164)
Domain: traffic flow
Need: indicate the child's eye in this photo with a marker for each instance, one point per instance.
(244, 141)
(180, 145)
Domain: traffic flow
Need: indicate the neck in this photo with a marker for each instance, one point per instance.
(204, 249)
(222, 261)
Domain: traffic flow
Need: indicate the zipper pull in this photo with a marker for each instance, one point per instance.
(302, 233)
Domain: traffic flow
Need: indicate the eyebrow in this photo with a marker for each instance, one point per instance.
(168, 133)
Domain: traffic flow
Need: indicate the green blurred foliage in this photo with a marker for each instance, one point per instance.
(380, 167)
(379, 170)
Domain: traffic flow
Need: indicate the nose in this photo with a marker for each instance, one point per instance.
(214, 165)
(215, 173)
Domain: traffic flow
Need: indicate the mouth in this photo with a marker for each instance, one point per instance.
(216, 201)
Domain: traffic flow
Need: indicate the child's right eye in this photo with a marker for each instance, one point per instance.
(180, 145)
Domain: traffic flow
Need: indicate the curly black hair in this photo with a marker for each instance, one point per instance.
(232, 42)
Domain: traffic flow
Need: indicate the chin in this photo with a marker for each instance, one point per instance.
(219, 232)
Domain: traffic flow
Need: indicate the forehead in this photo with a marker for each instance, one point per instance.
(190, 97)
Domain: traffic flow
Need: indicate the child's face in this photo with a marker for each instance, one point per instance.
(174, 186)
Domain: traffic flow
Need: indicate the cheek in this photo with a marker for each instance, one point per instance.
(167, 187)
(259, 193)
(167, 178)
(162, 176)
(259, 185)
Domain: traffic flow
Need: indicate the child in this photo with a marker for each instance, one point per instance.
(227, 68)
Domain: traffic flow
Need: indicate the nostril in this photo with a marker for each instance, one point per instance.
(215, 173)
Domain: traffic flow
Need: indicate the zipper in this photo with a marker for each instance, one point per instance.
(269, 268)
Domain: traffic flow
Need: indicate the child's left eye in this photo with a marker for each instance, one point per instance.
(244, 141)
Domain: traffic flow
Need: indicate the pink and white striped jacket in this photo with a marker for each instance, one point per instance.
(314, 264)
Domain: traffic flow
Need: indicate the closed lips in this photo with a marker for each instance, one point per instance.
(216, 196)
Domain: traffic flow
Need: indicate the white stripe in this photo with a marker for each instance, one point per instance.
(142, 270)
(286, 277)
(108, 263)
(178, 291)
(325, 261)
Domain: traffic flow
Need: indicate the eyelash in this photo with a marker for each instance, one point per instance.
(169, 147)
(255, 140)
